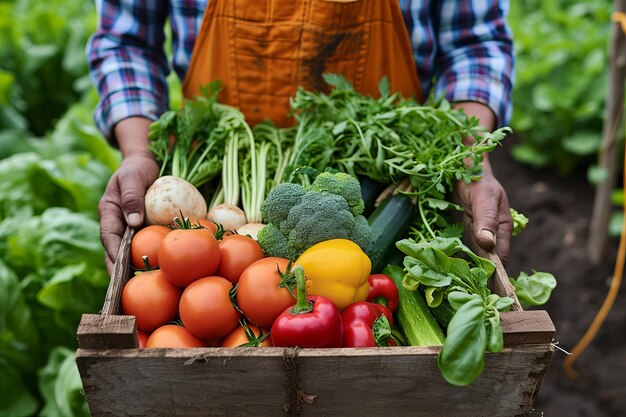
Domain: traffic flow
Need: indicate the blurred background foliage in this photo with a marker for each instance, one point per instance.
(54, 166)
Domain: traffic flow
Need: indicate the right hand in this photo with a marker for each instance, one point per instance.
(123, 200)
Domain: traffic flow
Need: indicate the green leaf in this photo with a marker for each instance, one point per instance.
(462, 356)
(519, 221)
(16, 399)
(583, 143)
(534, 289)
(433, 296)
(597, 175)
(495, 338)
(458, 298)
(61, 386)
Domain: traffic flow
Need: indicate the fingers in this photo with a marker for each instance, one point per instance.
(138, 174)
(112, 224)
(491, 217)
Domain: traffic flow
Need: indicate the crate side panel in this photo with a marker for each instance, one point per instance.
(160, 386)
(413, 385)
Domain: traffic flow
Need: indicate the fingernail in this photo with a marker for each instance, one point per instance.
(488, 234)
(134, 219)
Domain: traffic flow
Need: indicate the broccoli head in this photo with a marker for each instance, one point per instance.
(341, 184)
(300, 217)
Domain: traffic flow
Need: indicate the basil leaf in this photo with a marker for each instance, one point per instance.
(433, 296)
(495, 339)
(462, 356)
(457, 299)
(503, 304)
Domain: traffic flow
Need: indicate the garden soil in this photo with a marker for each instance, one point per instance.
(559, 209)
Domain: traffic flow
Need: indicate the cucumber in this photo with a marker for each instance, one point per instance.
(370, 190)
(443, 313)
(414, 315)
(390, 223)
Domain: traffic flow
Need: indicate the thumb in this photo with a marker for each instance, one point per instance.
(485, 222)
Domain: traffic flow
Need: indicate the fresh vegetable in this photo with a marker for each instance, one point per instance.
(299, 217)
(475, 327)
(151, 298)
(251, 229)
(370, 190)
(366, 325)
(204, 222)
(337, 269)
(168, 196)
(206, 310)
(173, 336)
(313, 322)
(383, 290)
(519, 221)
(142, 338)
(247, 335)
(534, 289)
(146, 242)
(229, 216)
(389, 222)
(265, 290)
(414, 316)
(188, 254)
(237, 252)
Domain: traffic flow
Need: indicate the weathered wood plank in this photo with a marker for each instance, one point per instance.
(526, 327)
(253, 382)
(97, 331)
(119, 276)
(500, 283)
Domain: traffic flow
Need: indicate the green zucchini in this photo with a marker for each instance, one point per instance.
(370, 190)
(414, 315)
(390, 223)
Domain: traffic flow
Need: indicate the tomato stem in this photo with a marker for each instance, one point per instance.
(146, 263)
(302, 304)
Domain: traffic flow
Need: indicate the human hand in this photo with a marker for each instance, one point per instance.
(123, 201)
(486, 214)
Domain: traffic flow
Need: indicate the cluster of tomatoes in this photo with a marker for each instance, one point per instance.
(190, 282)
(193, 290)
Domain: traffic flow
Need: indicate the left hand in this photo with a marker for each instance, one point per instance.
(486, 207)
(486, 214)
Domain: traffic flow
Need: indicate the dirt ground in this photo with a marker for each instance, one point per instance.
(559, 210)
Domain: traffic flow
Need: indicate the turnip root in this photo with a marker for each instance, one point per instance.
(251, 229)
(229, 216)
(168, 196)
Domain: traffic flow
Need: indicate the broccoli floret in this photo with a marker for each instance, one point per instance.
(319, 217)
(274, 243)
(362, 232)
(341, 184)
(279, 201)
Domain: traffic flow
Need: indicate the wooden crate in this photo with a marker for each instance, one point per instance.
(120, 379)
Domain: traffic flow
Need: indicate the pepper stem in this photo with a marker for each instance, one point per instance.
(302, 304)
(380, 300)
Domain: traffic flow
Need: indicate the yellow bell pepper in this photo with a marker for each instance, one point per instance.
(337, 269)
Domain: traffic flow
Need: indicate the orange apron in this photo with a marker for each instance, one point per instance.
(262, 50)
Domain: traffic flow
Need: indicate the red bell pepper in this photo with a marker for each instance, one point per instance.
(383, 291)
(367, 325)
(314, 321)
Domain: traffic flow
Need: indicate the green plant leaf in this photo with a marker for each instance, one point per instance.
(534, 289)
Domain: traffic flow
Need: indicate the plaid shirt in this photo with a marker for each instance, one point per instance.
(463, 50)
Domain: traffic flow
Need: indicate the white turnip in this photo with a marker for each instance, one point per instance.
(229, 216)
(168, 196)
(251, 229)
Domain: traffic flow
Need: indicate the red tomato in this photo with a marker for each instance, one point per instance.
(173, 336)
(142, 338)
(259, 295)
(237, 252)
(151, 298)
(186, 255)
(238, 337)
(146, 242)
(206, 310)
(206, 223)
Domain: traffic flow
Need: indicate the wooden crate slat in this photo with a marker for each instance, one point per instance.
(252, 382)
(97, 331)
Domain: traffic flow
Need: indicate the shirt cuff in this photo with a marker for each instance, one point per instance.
(122, 104)
(480, 88)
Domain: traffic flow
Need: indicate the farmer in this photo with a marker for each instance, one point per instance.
(262, 50)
